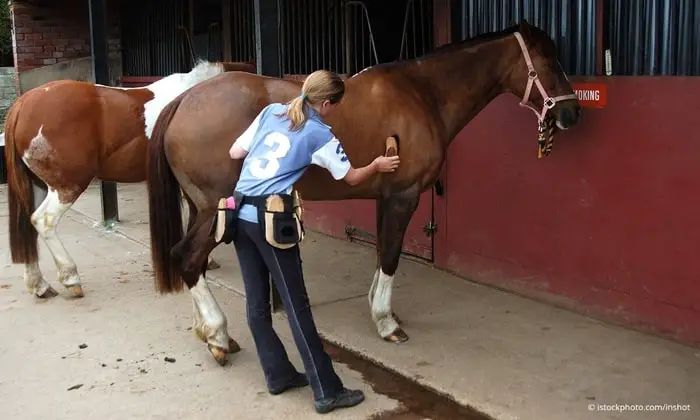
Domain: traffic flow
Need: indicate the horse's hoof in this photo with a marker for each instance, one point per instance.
(220, 355)
(213, 265)
(233, 346)
(48, 294)
(397, 337)
(396, 318)
(77, 291)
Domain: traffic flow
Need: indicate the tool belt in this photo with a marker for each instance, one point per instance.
(279, 218)
(226, 219)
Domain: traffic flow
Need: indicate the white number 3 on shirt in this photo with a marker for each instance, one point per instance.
(266, 167)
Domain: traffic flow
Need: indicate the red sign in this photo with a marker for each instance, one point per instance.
(591, 95)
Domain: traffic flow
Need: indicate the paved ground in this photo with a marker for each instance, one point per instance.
(129, 331)
(507, 356)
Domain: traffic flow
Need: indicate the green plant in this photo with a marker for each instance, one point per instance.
(5, 33)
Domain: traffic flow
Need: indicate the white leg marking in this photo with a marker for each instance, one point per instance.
(34, 280)
(209, 320)
(373, 288)
(45, 219)
(381, 305)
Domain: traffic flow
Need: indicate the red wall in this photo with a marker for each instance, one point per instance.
(610, 220)
(608, 224)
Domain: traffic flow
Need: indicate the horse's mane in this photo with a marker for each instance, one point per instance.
(452, 47)
(458, 45)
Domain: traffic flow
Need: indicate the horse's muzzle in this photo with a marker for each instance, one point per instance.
(568, 116)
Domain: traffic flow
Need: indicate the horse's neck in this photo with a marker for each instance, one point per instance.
(466, 80)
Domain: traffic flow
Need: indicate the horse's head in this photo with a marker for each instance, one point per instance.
(538, 79)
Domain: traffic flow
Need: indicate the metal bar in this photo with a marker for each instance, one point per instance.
(315, 33)
(403, 31)
(348, 42)
(100, 69)
(413, 31)
(372, 46)
(323, 15)
(267, 48)
(226, 32)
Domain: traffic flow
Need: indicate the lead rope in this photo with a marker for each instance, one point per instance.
(545, 125)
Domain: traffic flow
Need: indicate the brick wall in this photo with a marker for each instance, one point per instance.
(8, 92)
(58, 31)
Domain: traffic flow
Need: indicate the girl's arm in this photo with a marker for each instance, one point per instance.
(332, 157)
(241, 146)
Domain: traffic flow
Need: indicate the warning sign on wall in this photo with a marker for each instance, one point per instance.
(591, 95)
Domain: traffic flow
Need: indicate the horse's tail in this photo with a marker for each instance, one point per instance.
(23, 236)
(164, 202)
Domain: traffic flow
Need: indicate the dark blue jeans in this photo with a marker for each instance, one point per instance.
(258, 260)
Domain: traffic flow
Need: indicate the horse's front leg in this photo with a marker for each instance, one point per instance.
(373, 287)
(396, 214)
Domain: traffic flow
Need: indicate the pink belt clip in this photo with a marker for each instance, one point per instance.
(230, 203)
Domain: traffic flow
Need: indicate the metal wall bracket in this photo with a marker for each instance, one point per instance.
(429, 228)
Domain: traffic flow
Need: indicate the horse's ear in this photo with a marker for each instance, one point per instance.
(513, 23)
(524, 27)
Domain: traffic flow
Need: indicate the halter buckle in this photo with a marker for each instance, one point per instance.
(549, 103)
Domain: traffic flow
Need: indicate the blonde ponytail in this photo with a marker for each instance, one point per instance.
(319, 86)
(296, 113)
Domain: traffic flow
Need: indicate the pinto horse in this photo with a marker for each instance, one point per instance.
(421, 103)
(63, 134)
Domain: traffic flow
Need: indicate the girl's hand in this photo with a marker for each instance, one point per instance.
(386, 164)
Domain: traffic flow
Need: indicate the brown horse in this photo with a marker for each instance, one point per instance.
(423, 103)
(63, 134)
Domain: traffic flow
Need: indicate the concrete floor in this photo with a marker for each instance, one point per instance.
(507, 356)
(129, 331)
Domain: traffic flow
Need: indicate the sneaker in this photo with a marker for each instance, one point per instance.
(298, 381)
(345, 398)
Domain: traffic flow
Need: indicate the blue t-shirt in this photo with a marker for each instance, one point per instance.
(278, 157)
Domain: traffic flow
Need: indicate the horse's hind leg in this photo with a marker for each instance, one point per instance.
(396, 214)
(33, 278)
(210, 323)
(45, 220)
(189, 210)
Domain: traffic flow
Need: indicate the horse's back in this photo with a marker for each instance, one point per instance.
(210, 117)
(82, 128)
(53, 107)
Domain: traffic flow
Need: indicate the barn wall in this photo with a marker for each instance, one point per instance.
(606, 225)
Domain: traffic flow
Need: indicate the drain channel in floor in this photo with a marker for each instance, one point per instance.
(418, 402)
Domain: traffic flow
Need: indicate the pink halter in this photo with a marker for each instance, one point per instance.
(532, 77)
